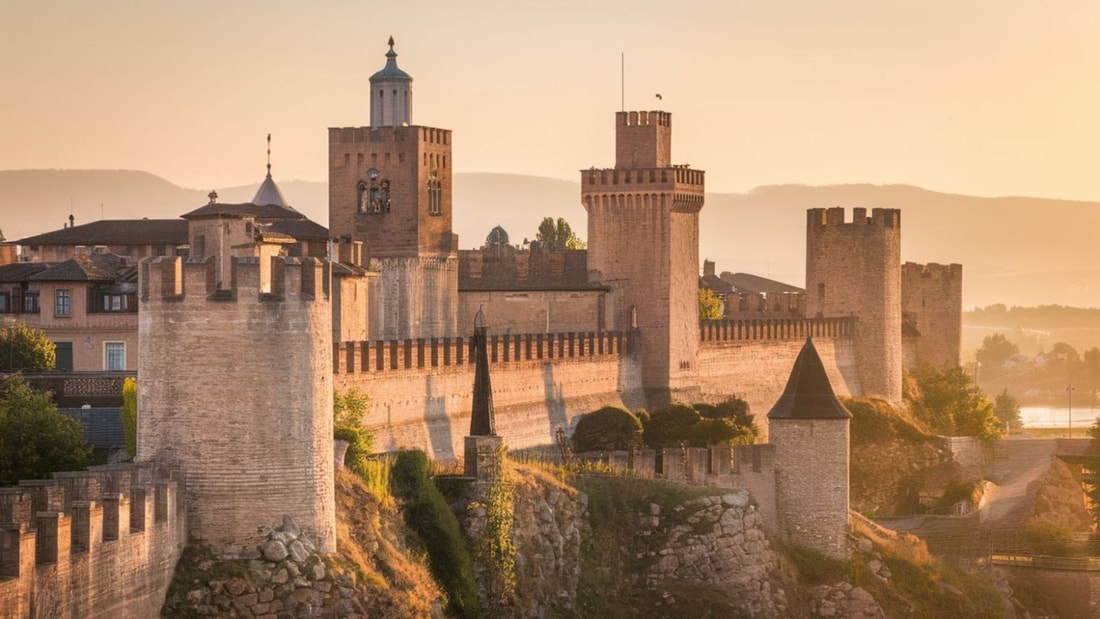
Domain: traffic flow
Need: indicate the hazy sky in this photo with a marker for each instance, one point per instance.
(981, 97)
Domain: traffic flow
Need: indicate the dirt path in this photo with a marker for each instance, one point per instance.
(1017, 468)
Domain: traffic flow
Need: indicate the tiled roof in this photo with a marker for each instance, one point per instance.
(102, 426)
(808, 395)
(82, 268)
(22, 271)
(115, 232)
(301, 229)
(259, 211)
(744, 282)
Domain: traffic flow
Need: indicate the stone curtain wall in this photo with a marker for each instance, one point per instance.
(241, 395)
(757, 370)
(100, 543)
(428, 407)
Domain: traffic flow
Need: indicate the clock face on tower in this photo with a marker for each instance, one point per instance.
(373, 173)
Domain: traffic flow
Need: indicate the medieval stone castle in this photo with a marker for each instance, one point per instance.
(241, 345)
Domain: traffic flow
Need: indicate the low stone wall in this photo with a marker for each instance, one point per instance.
(99, 543)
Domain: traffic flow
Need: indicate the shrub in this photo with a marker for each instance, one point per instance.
(670, 426)
(128, 412)
(437, 531)
(348, 409)
(607, 429)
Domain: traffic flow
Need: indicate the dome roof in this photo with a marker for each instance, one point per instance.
(390, 71)
(497, 236)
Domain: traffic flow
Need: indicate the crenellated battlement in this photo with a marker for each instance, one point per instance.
(824, 217)
(173, 279)
(57, 535)
(413, 354)
(357, 135)
(643, 119)
(714, 332)
(629, 179)
(932, 270)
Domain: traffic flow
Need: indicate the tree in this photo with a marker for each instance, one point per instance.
(710, 306)
(128, 412)
(1007, 409)
(670, 426)
(995, 350)
(557, 235)
(1092, 461)
(35, 439)
(607, 429)
(733, 412)
(951, 404)
(25, 348)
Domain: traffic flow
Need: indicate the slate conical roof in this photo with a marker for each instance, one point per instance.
(390, 71)
(269, 195)
(808, 394)
(482, 419)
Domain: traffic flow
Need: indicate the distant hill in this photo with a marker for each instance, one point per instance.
(1017, 251)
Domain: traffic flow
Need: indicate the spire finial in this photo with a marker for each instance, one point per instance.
(269, 155)
(391, 42)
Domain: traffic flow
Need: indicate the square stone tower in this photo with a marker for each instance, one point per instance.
(643, 244)
(390, 188)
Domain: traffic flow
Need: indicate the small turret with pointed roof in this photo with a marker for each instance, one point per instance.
(810, 430)
(809, 394)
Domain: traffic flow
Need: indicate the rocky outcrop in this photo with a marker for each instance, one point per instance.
(843, 600)
(1060, 503)
(548, 517)
(890, 478)
(719, 541)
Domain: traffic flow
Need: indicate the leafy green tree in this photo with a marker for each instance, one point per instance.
(348, 409)
(950, 403)
(733, 412)
(670, 426)
(35, 439)
(607, 429)
(25, 348)
(1007, 409)
(557, 235)
(1092, 461)
(995, 350)
(128, 412)
(710, 306)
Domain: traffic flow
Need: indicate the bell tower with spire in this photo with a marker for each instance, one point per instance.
(390, 188)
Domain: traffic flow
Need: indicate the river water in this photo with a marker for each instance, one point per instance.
(1057, 416)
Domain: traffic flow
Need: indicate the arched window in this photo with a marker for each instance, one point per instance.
(363, 198)
(435, 195)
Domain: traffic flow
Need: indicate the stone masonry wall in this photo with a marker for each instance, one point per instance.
(99, 543)
(429, 409)
(240, 395)
(757, 371)
(811, 482)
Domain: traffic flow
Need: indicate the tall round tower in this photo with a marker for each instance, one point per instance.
(809, 428)
(235, 387)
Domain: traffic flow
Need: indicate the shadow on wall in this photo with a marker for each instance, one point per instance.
(438, 424)
(554, 400)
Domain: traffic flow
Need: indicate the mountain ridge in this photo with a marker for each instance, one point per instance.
(1015, 250)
